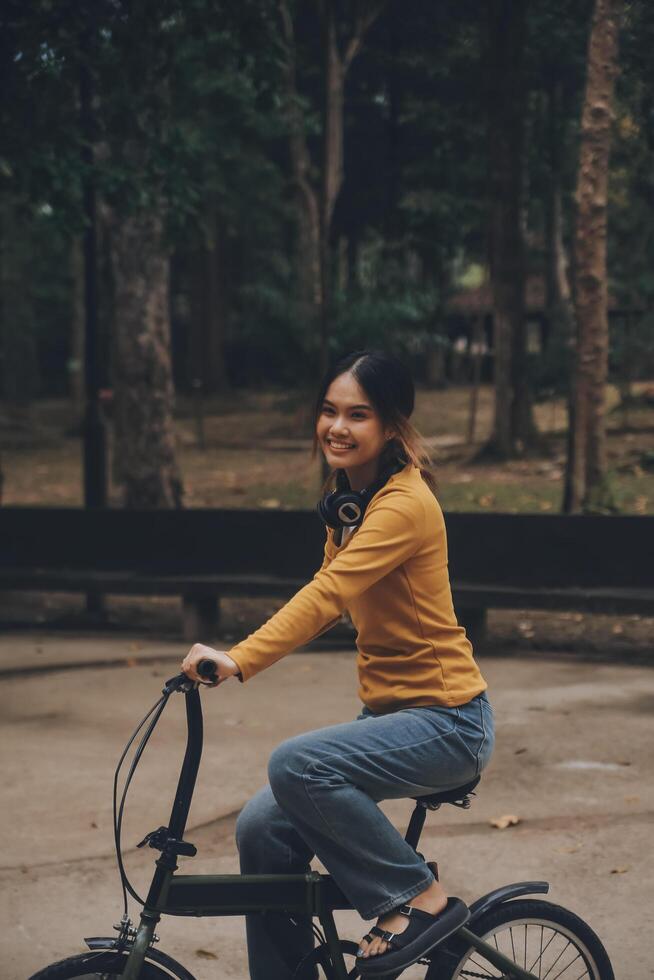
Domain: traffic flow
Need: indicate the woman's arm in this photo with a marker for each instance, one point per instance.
(392, 531)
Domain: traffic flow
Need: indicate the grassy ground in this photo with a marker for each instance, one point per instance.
(256, 453)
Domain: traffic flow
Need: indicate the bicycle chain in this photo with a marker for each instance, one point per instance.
(482, 976)
(469, 973)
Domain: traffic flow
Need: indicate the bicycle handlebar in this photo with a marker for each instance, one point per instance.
(207, 669)
(180, 682)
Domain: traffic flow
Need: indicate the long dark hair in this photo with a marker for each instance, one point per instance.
(389, 386)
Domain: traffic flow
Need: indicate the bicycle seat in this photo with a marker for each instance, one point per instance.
(456, 796)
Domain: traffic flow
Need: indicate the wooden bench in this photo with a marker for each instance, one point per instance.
(603, 564)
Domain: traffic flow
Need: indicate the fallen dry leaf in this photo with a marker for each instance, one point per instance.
(508, 820)
(619, 871)
(571, 849)
(206, 954)
(519, 751)
(617, 628)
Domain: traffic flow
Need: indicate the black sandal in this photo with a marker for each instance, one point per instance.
(421, 935)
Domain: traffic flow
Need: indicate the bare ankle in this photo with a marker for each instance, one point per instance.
(433, 895)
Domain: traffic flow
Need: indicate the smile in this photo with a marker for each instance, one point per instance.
(333, 444)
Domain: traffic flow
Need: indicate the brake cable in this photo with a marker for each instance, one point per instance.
(155, 710)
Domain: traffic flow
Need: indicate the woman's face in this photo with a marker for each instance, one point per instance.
(350, 431)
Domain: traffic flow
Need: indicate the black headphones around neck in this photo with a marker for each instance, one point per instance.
(344, 507)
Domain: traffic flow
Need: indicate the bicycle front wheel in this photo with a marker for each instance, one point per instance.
(98, 965)
(544, 939)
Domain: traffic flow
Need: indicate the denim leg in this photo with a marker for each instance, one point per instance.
(328, 783)
(269, 844)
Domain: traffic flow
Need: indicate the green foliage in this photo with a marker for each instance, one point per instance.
(189, 118)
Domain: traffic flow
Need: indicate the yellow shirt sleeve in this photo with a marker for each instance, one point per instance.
(393, 529)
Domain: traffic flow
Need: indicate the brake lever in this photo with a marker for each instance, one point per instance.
(180, 683)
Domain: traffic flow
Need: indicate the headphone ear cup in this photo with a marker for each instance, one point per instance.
(345, 509)
(349, 508)
(325, 510)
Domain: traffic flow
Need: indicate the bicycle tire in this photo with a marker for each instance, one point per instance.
(521, 929)
(98, 964)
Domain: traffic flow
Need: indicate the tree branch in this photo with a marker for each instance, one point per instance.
(366, 15)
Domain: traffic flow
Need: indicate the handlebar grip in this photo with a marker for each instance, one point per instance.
(207, 669)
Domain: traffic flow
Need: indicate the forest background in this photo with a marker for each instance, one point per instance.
(201, 203)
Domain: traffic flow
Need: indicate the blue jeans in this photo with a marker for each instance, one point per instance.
(322, 800)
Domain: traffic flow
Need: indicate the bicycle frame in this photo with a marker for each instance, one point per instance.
(312, 894)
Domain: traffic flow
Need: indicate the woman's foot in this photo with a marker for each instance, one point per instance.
(433, 900)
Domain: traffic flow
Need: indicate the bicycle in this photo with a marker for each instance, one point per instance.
(507, 937)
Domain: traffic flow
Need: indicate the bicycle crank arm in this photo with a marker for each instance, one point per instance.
(503, 963)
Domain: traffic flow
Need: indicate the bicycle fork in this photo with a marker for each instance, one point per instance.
(142, 942)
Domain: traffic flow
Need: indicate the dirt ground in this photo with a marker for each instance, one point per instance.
(253, 450)
(572, 763)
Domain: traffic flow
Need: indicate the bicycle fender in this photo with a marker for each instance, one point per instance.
(178, 971)
(499, 895)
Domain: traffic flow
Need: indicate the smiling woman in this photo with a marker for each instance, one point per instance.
(426, 723)
(362, 419)
(350, 432)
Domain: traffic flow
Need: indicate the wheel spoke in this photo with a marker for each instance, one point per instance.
(512, 944)
(556, 961)
(567, 967)
(484, 966)
(539, 960)
(524, 959)
(554, 949)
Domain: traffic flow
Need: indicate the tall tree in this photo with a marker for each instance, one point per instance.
(342, 39)
(586, 477)
(144, 460)
(514, 428)
(134, 94)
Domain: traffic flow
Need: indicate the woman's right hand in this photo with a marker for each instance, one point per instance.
(225, 666)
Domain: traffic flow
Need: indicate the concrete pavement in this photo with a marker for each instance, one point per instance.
(573, 762)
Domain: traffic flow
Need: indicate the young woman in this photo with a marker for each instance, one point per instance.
(426, 723)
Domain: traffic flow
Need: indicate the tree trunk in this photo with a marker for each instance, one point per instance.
(318, 210)
(514, 429)
(309, 288)
(587, 487)
(77, 321)
(19, 364)
(332, 166)
(144, 448)
(208, 313)
(558, 299)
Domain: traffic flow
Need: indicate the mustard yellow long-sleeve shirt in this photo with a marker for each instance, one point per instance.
(391, 576)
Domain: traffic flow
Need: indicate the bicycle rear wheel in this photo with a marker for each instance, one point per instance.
(98, 965)
(545, 939)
